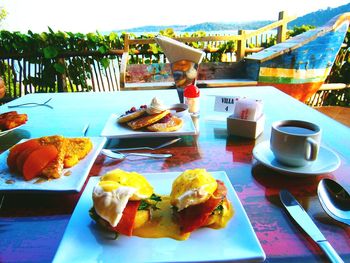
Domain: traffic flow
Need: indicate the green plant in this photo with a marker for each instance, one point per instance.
(48, 50)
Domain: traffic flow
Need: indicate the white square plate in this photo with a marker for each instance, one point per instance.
(83, 241)
(72, 183)
(2, 133)
(113, 129)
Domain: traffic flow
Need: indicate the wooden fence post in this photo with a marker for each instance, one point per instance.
(241, 45)
(61, 77)
(282, 30)
(126, 43)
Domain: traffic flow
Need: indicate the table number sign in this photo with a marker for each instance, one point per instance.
(225, 103)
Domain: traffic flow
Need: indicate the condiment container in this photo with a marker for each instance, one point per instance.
(191, 94)
(179, 109)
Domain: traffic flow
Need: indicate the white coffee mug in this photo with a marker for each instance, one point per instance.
(294, 142)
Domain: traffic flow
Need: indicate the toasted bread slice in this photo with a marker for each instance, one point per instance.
(173, 124)
(147, 120)
(54, 169)
(131, 116)
(12, 119)
(77, 149)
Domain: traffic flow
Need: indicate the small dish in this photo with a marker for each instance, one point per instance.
(179, 109)
(327, 161)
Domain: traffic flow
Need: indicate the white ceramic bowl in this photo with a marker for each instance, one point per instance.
(178, 109)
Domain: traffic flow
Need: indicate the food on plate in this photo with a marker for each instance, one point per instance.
(125, 203)
(47, 156)
(77, 149)
(154, 117)
(172, 123)
(132, 114)
(156, 106)
(147, 120)
(54, 169)
(200, 200)
(12, 119)
(122, 201)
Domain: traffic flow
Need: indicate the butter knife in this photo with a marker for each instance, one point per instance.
(302, 218)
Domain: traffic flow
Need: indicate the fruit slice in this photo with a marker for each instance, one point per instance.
(16, 150)
(38, 160)
(23, 156)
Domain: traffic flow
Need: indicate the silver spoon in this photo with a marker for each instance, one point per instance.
(335, 200)
(117, 155)
(147, 148)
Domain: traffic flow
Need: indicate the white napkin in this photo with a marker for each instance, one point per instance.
(248, 109)
(175, 50)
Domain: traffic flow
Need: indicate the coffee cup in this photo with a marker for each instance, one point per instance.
(294, 142)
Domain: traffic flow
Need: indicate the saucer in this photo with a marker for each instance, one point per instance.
(326, 162)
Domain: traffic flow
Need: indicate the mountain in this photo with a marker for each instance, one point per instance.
(317, 19)
(320, 17)
(227, 26)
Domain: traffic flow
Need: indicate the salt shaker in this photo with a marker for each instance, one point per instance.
(191, 94)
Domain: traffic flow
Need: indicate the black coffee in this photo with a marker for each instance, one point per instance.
(296, 130)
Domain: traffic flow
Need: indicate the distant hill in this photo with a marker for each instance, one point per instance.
(227, 26)
(317, 18)
(320, 17)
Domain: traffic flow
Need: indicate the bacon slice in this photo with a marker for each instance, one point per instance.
(126, 223)
(196, 216)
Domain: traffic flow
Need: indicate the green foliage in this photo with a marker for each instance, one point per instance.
(272, 40)
(299, 30)
(46, 49)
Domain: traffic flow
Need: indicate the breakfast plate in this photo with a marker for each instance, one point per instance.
(72, 183)
(326, 162)
(112, 129)
(83, 241)
(2, 133)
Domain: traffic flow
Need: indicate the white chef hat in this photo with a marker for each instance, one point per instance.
(175, 50)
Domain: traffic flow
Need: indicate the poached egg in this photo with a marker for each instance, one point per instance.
(115, 189)
(192, 187)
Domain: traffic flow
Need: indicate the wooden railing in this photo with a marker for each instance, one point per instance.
(243, 38)
(132, 48)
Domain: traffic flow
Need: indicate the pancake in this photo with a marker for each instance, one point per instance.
(147, 120)
(131, 116)
(173, 124)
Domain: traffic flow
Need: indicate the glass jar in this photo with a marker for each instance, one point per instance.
(191, 95)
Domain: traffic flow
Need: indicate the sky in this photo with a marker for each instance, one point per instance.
(106, 15)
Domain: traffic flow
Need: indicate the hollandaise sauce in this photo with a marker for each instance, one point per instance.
(162, 223)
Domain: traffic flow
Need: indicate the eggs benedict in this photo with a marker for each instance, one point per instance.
(122, 201)
(200, 200)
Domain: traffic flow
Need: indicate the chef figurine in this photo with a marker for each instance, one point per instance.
(184, 62)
